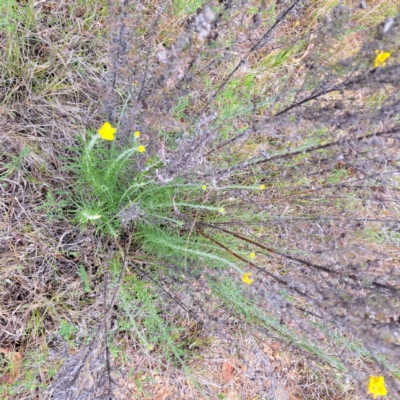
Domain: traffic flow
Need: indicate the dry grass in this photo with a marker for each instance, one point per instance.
(52, 61)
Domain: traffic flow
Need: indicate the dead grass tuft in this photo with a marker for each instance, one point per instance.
(54, 277)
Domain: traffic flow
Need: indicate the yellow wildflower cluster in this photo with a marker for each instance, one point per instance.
(140, 148)
(246, 278)
(381, 57)
(376, 386)
(252, 255)
(107, 132)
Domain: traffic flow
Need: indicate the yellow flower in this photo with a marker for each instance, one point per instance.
(262, 186)
(252, 255)
(141, 149)
(246, 278)
(222, 210)
(136, 134)
(376, 386)
(204, 187)
(381, 57)
(107, 132)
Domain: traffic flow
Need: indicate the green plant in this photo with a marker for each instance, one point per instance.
(16, 162)
(67, 330)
